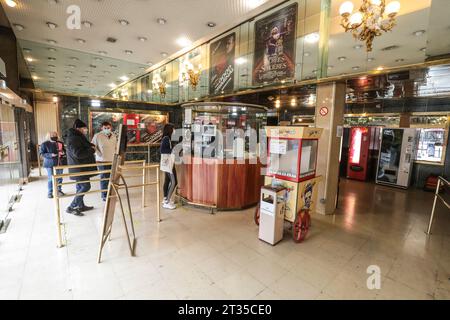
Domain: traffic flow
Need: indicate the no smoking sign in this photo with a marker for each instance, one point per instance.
(323, 111)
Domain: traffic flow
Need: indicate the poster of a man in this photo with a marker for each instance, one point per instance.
(222, 53)
(275, 46)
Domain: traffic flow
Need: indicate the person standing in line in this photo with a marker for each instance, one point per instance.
(54, 154)
(79, 152)
(105, 143)
(168, 166)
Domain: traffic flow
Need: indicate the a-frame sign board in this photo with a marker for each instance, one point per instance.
(117, 183)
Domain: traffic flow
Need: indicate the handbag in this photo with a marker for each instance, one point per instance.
(167, 161)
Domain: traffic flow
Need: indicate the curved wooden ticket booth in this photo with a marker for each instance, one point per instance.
(230, 177)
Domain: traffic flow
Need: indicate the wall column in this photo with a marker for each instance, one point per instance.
(329, 116)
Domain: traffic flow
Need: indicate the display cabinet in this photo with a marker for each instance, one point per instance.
(292, 152)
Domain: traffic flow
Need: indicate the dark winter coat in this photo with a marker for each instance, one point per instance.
(79, 151)
(48, 149)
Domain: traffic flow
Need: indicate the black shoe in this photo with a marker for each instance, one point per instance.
(61, 194)
(75, 212)
(50, 196)
(85, 208)
(104, 199)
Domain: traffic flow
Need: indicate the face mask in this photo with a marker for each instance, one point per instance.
(54, 139)
(107, 131)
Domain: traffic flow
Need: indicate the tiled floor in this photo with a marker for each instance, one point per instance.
(195, 255)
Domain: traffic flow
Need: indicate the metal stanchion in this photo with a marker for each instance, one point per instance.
(143, 168)
(38, 153)
(441, 182)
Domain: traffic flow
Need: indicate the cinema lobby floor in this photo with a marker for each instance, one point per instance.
(195, 255)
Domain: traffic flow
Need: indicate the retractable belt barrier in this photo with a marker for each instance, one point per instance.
(129, 166)
(443, 195)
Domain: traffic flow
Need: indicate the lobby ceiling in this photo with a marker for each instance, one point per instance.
(140, 38)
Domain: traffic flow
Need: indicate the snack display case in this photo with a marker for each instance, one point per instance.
(292, 152)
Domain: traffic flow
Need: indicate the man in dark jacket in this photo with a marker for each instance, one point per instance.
(54, 154)
(80, 151)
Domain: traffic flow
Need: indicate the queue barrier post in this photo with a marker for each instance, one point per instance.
(437, 196)
(139, 165)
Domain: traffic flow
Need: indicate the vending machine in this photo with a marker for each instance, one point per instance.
(396, 157)
(358, 158)
(132, 120)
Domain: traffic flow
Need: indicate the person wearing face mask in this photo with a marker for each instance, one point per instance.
(54, 154)
(105, 146)
(79, 152)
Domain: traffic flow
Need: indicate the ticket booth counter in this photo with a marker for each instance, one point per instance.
(221, 168)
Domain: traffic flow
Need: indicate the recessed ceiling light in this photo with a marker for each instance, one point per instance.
(184, 42)
(26, 50)
(211, 24)
(103, 53)
(161, 21)
(124, 22)
(87, 24)
(150, 63)
(124, 78)
(82, 41)
(113, 66)
(51, 72)
(307, 54)
(312, 37)
(51, 66)
(132, 74)
(69, 72)
(71, 66)
(11, 3)
(112, 85)
(52, 49)
(111, 40)
(128, 52)
(52, 41)
(241, 61)
(142, 39)
(358, 47)
(342, 58)
(98, 59)
(19, 27)
(29, 59)
(419, 33)
(380, 68)
(88, 71)
(74, 59)
(164, 54)
(423, 49)
(106, 72)
(399, 60)
(52, 25)
(370, 59)
(330, 67)
(356, 68)
(51, 59)
(35, 77)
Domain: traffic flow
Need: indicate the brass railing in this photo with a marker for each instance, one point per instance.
(442, 189)
(129, 166)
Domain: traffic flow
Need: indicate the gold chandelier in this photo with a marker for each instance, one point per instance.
(372, 19)
(190, 74)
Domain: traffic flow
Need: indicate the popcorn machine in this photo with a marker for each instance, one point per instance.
(292, 161)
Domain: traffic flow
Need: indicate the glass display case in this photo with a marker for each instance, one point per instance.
(431, 145)
(293, 152)
(222, 130)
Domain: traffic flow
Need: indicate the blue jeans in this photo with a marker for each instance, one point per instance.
(50, 180)
(104, 185)
(78, 201)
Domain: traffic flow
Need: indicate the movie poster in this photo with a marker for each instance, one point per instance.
(222, 53)
(275, 36)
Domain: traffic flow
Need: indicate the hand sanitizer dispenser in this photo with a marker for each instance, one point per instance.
(271, 225)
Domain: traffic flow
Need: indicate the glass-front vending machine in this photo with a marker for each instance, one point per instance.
(396, 159)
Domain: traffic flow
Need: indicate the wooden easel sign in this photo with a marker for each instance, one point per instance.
(117, 183)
